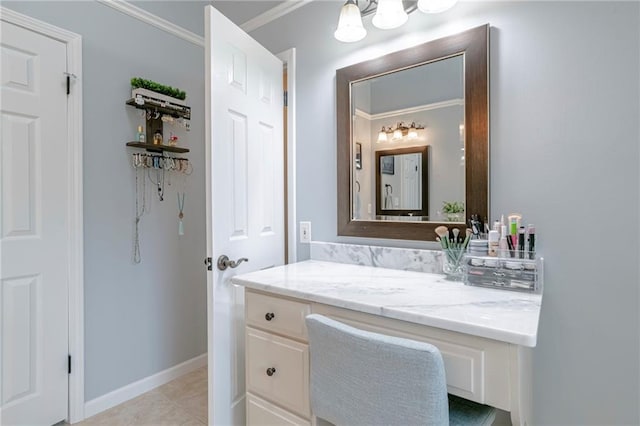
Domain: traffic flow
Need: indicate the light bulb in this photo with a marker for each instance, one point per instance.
(350, 27)
(382, 136)
(389, 14)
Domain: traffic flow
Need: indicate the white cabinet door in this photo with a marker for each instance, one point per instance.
(263, 413)
(245, 190)
(34, 235)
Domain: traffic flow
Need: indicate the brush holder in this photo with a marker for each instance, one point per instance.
(516, 270)
(452, 263)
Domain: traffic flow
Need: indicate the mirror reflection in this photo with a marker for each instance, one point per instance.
(397, 119)
(402, 184)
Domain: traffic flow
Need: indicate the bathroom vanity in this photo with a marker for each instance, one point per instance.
(485, 335)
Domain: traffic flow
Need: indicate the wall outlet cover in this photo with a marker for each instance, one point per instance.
(305, 232)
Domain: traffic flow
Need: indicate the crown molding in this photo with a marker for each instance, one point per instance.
(395, 113)
(272, 14)
(32, 24)
(154, 20)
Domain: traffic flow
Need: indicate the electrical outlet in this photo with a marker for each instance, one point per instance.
(305, 232)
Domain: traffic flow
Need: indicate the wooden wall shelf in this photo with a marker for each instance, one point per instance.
(157, 148)
(184, 112)
(153, 124)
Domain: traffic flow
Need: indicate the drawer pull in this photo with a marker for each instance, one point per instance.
(270, 371)
(269, 316)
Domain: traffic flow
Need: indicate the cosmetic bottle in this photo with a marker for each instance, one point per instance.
(494, 237)
(503, 250)
(157, 138)
(141, 137)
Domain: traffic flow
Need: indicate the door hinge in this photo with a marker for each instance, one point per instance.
(69, 76)
(286, 98)
(69, 364)
(209, 262)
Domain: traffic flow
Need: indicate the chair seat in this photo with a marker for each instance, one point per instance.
(463, 412)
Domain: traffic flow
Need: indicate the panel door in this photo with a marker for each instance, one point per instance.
(245, 175)
(34, 229)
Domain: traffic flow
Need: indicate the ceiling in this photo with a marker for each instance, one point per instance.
(251, 14)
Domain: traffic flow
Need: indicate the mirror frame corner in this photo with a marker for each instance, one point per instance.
(474, 44)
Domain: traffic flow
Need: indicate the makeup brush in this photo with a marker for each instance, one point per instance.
(456, 232)
(467, 238)
(443, 233)
(465, 243)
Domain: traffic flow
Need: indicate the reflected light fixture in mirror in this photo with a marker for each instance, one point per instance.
(399, 132)
(389, 14)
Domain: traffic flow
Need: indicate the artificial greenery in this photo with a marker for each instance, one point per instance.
(452, 207)
(138, 82)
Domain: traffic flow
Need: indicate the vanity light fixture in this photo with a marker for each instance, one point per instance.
(382, 136)
(350, 27)
(399, 132)
(412, 133)
(389, 14)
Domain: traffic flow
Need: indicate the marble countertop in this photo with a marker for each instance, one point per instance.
(416, 297)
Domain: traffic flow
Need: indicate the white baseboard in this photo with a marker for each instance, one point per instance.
(130, 391)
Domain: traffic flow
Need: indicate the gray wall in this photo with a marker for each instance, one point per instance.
(139, 319)
(564, 151)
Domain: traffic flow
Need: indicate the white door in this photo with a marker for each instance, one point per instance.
(35, 254)
(245, 213)
(411, 182)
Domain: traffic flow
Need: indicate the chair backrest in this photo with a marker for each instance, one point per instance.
(364, 378)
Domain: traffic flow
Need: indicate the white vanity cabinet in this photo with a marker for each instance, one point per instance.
(277, 360)
(480, 367)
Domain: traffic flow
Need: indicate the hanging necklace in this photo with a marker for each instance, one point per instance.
(159, 183)
(180, 212)
(139, 213)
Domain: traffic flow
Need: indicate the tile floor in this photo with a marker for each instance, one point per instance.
(182, 402)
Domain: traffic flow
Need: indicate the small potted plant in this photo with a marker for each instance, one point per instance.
(143, 87)
(453, 211)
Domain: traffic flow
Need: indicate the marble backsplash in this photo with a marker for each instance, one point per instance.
(383, 257)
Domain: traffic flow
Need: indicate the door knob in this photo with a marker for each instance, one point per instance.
(224, 262)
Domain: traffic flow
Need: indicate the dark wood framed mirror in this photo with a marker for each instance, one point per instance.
(405, 171)
(472, 47)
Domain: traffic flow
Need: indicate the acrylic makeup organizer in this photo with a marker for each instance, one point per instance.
(520, 271)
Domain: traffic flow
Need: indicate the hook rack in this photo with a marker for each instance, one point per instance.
(162, 162)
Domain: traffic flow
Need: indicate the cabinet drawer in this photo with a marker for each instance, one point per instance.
(263, 413)
(278, 370)
(277, 315)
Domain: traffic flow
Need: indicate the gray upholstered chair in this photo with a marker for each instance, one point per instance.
(364, 378)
